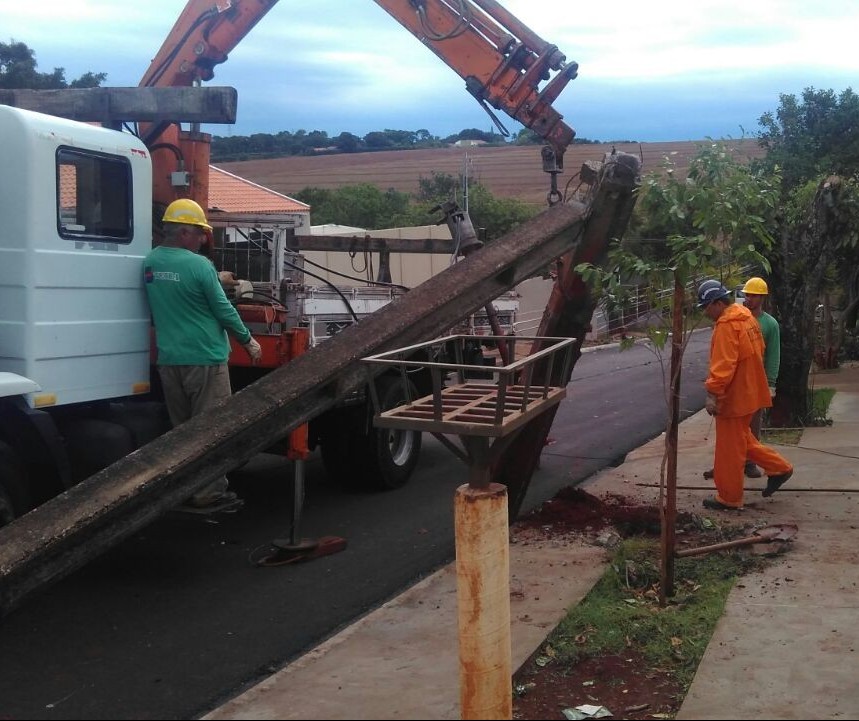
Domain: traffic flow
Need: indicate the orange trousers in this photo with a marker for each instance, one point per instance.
(735, 443)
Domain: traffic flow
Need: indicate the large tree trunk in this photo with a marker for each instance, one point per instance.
(798, 268)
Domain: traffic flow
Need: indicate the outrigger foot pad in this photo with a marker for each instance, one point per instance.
(282, 552)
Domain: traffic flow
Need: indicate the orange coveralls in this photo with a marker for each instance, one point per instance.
(738, 381)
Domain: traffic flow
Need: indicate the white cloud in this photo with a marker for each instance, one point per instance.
(339, 65)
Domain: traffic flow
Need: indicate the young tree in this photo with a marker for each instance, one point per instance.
(721, 210)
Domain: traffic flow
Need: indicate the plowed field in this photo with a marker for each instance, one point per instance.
(514, 172)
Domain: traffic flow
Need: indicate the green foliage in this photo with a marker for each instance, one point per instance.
(819, 401)
(366, 206)
(474, 134)
(810, 137)
(379, 141)
(720, 213)
(318, 142)
(721, 205)
(781, 436)
(492, 216)
(438, 188)
(347, 143)
(798, 203)
(813, 143)
(622, 609)
(526, 136)
(18, 71)
(363, 205)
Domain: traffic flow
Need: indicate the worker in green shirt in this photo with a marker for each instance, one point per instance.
(192, 317)
(756, 292)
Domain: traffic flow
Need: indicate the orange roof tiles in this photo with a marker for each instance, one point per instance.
(231, 194)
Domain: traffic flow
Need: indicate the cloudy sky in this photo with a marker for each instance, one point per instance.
(659, 71)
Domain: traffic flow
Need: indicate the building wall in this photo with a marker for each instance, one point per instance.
(408, 269)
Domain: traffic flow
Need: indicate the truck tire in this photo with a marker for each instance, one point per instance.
(394, 453)
(93, 444)
(14, 498)
(368, 458)
(145, 421)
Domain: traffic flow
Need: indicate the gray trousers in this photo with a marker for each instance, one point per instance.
(190, 390)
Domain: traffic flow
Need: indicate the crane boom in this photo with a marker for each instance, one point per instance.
(203, 36)
(503, 62)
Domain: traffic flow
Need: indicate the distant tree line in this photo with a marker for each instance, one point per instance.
(18, 69)
(365, 205)
(318, 142)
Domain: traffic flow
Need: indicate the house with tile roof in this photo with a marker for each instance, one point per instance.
(232, 195)
(251, 224)
(257, 221)
(252, 213)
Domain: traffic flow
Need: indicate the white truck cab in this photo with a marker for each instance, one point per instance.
(76, 209)
(77, 216)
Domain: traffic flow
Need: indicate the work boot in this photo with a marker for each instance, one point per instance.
(775, 482)
(715, 504)
(752, 471)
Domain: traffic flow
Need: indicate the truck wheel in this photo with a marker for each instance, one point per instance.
(378, 459)
(93, 444)
(14, 499)
(394, 453)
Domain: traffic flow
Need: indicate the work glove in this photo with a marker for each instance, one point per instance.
(711, 404)
(228, 279)
(254, 350)
(772, 391)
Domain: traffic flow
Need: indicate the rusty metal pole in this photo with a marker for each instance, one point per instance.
(483, 591)
(668, 500)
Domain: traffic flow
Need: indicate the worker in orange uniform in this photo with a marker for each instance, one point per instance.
(736, 388)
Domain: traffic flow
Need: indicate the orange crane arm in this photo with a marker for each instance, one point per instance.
(203, 36)
(501, 60)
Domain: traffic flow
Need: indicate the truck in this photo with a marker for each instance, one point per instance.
(81, 207)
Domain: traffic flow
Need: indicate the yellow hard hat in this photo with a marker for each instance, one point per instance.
(186, 211)
(756, 286)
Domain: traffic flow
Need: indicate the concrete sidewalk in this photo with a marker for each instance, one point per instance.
(785, 648)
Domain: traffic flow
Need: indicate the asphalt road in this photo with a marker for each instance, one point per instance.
(177, 619)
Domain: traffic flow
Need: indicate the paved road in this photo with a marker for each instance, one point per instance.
(176, 619)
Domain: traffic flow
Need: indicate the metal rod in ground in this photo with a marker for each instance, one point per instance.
(789, 489)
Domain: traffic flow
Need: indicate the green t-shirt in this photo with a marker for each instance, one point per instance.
(772, 352)
(190, 311)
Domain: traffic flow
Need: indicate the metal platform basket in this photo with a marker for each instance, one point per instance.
(492, 408)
